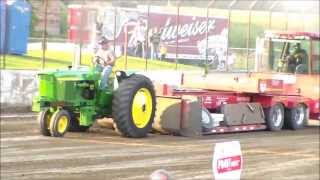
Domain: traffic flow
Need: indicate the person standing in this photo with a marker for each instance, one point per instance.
(163, 52)
(105, 60)
(139, 33)
(231, 60)
(155, 41)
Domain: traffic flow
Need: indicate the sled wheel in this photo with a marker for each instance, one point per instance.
(275, 117)
(133, 106)
(297, 117)
(206, 120)
(59, 124)
(44, 121)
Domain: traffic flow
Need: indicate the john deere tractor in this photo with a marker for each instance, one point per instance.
(71, 100)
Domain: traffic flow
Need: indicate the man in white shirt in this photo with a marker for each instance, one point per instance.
(105, 60)
(139, 33)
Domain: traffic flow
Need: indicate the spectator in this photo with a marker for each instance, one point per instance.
(163, 52)
(231, 60)
(139, 33)
(222, 66)
(155, 41)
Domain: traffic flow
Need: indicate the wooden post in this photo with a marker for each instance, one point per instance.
(270, 13)
(303, 19)
(146, 45)
(126, 48)
(177, 34)
(249, 33)
(248, 40)
(5, 33)
(229, 23)
(287, 20)
(207, 33)
(114, 29)
(270, 20)
(44, 34)
(207, 29)
(80, 34)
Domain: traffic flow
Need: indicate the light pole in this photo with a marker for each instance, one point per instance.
(44, 34)
(229, 22)
(249, 32)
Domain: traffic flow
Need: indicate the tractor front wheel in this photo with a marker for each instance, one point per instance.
(133, 106)
(44, 121)
(59, 123)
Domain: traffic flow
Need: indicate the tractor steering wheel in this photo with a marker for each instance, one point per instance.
(97, 60)
(97, 63)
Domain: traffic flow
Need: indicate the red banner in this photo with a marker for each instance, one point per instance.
(229, 164)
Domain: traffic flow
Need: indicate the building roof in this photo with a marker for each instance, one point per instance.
(291, 6)
(293, 35)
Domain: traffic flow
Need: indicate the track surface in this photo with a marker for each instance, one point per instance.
(102, 154)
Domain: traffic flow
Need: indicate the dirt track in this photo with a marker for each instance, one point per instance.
(102, 154)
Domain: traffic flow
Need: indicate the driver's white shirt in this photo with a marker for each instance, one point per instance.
(105, 55)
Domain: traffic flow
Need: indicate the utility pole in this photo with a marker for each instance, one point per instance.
(44, 34)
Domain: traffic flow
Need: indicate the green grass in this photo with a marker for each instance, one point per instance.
(60, 59)
(33, 60)
(134, 63)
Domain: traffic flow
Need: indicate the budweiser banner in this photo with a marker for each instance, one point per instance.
(132, 26)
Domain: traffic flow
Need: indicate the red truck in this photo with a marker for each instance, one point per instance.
(273, 96)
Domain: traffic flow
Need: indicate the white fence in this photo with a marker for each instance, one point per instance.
(17, 88)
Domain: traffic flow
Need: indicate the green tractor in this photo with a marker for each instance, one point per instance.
(71, 100)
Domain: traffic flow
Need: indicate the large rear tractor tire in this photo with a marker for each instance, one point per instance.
(275, 117)
(59, 123)
(44, 121)
(296, 118)
(133, 106)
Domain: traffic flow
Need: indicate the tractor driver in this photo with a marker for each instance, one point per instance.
(105, 60)
(298, 60)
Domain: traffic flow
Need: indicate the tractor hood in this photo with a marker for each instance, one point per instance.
(72, 74)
